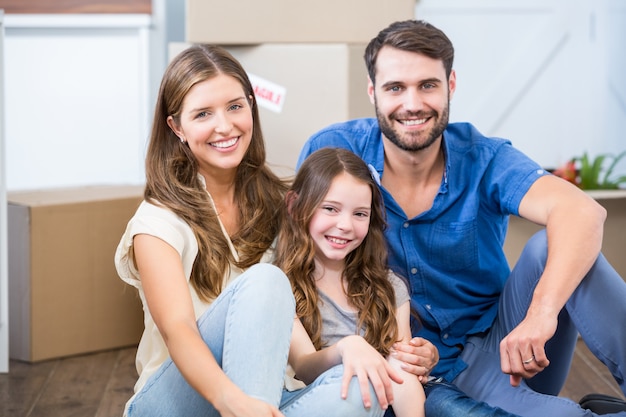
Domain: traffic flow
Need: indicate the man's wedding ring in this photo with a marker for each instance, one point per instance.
(527, 361)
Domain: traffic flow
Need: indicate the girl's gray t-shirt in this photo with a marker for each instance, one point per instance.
(338, 323)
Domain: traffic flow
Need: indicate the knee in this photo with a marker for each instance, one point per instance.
(330, 383)
(535, 252)
(265, 275)
(537, 245)
(269, 282)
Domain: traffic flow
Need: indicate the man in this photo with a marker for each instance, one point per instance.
(506, 338)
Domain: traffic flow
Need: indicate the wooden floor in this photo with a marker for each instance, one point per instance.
(99, 384)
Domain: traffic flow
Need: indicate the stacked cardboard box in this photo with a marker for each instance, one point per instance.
(247, 22)
(305, 58)
(65, 297)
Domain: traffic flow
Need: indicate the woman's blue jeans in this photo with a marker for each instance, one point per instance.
(248, 329)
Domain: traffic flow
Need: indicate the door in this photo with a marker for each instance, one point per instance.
(4, 275)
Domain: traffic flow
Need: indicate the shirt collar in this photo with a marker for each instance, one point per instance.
(446, 161)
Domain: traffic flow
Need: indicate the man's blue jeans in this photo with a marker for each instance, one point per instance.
(444, 399)
(596, 310)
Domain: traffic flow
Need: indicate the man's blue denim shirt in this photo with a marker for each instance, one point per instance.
(451, 255)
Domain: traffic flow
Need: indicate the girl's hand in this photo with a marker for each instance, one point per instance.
(361, 359)
(419, 357)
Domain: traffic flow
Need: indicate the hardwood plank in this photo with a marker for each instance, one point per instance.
(22, 386)
(99, 384)
(76, 386)
(76, 6)
(588, 375)
(120, 386)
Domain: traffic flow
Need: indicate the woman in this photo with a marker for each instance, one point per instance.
(217, 317)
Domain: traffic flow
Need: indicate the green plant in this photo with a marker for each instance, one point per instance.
(590, 171)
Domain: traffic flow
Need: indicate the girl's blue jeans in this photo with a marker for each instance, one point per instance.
(322, 398)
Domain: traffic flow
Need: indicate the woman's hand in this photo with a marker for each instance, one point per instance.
(360, 359)
(242, 405)
(419, 357)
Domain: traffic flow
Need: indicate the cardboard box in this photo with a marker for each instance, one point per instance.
(614, 240)
(65, 296)
(319, 84)
(263, 21)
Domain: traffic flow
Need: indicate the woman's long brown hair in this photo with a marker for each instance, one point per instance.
(366, 273)
(172, 174)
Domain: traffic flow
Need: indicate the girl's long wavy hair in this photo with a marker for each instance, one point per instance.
(365, 273)
(172, 174)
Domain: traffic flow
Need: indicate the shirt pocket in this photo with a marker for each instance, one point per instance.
(453, 246)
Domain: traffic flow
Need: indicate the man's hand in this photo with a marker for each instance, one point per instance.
(522, 352)
(419, 357)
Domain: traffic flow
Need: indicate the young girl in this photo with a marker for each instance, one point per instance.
(350, 308)
(218, 317)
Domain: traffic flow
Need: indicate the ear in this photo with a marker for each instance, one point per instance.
(290, 198)
(370, 90)
(175, 128)
(452, 84)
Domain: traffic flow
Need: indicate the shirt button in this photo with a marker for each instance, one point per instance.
(405, 225)
(445, 336)
(414, 271)
(428, 307)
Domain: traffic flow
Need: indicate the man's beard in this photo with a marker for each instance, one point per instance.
(441, 122)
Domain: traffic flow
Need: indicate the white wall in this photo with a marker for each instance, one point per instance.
(547, 74)
(77, 99)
